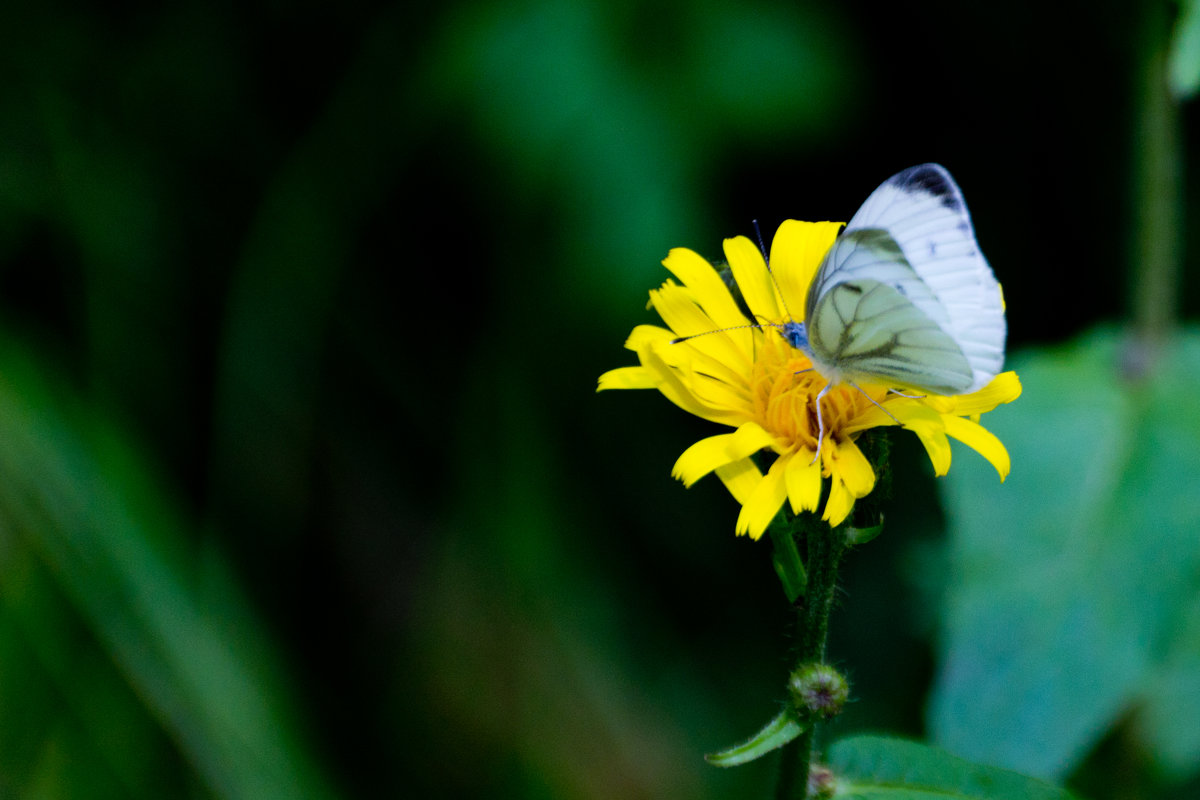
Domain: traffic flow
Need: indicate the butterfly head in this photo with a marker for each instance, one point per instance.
(795, 334)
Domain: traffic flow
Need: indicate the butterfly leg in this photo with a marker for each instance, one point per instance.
(881, 408)
(820, 422)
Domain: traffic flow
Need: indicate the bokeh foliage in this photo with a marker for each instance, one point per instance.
(304, 489)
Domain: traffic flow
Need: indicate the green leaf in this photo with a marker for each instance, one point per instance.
(1071, 580)
(786, 558)
(1168, 718)
(774, 735)
(877, 767)
(1183, 69)
(856, 536)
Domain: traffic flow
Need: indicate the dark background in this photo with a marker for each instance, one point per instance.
(301, 312)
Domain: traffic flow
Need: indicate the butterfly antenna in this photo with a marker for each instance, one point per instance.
(722, 330)
(767, 259)
(761, 245)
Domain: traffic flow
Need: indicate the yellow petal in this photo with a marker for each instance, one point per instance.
(852, 467)
(708, 383)
(740, 478)
(1006, 385)
(719, 394)
(626, 378)
(671, 378)
(716, 451)
(687, 355)
(851, 477)
(711, 379)
(764, 502)
(676, 307)
(933, 437)
(981, 441)
(839, 504)
(645, 335)
(750, 272)
(803, 478)
(796, 253)
(1004, 388)
(687, 358)
(871, 417)
(905, 411)
(707, 286)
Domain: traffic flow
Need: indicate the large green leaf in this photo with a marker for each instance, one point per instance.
(1169, 721)
(1183, 65)
(877, 767)
(1068, 583)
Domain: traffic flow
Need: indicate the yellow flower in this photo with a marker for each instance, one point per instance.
(752, 380)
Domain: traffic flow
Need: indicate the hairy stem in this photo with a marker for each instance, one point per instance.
(824, 551)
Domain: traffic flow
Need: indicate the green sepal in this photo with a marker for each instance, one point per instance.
(854, 536)
(786, 558)
(775, 734)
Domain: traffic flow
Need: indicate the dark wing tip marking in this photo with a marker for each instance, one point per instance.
(931, 178)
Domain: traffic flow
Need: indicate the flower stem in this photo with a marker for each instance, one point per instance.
(824, 552)
(1157, 190)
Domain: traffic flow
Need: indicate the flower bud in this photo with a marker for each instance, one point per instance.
(818, 691)
(822, 784)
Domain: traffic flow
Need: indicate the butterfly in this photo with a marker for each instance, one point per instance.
(904, 298)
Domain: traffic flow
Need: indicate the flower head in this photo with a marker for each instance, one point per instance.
(741, 372)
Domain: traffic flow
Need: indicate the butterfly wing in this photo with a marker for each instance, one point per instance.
(868, 332)
(874, 329)
(913, 236)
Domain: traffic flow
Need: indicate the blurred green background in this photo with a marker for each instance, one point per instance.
(305, 491)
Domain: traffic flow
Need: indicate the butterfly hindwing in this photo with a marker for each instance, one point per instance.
(872, 333)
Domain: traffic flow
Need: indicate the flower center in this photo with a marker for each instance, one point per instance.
(784, 387)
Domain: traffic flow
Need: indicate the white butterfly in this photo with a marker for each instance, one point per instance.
(904, 298)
